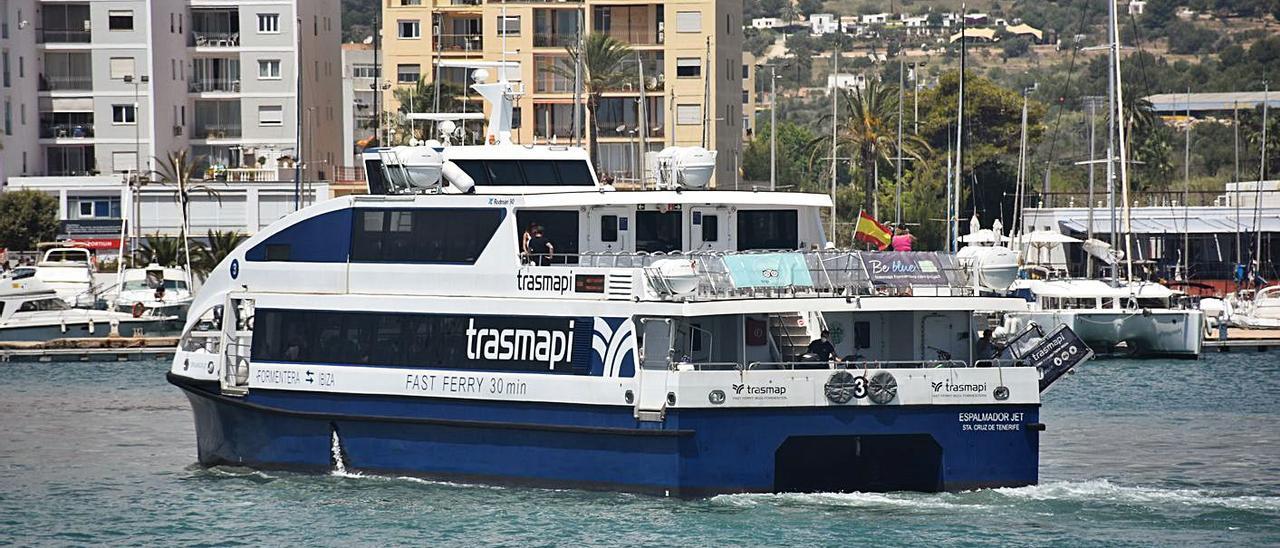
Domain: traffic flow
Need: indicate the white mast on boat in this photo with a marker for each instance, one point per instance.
(1118, 115)
(1186, 195)
(959, 172)
(1262, 176)
(835, 98)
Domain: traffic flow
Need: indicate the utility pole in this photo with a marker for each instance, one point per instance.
(902, 85)
(773, 128)
(835, 99)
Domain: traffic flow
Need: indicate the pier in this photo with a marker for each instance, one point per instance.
(1257, 340)
(96, 349)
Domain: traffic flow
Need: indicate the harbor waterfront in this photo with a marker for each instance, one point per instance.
(1137, 453)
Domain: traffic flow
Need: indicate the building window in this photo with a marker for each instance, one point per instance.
(509, 25)
(410, 2)
(98, 207)
(5, 56)
(268, 23)
(410, 29)
(121, 67)
(688, 21)
(408, 74)
(124, 114)
(271, 115)
(364, 70)
(269, 69)
(688, 67)
(688, 115)
(120, 20)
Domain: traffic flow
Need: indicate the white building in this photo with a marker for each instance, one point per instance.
(1137, 7)
(875, 18)
(823, 23)
(19, 92)
(846, 81)
(766, 23)
(120, 83)
(359, 78)
(96, 205)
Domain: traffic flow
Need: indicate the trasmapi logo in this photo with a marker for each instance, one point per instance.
(765, 391)
(555, 283)
(553, 347)
(948, 387)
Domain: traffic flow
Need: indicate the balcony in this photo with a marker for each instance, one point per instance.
(215, 39)
(244, 174)
(214, 86)
(66, 130)
(65, 83)
(63, 36)
(461, 42)
(216, 131)
(215, 28)
(553, 40)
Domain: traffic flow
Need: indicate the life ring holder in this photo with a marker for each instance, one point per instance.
(138, 309)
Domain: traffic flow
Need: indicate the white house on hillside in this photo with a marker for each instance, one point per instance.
(823, 23)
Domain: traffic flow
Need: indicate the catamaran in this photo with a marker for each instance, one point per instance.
(662, 347)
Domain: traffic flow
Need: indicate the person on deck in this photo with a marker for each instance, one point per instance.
(902, 239)
(540, 248)
(823, 349)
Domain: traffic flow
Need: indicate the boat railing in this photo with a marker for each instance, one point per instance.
(848, 365)
(817, 273)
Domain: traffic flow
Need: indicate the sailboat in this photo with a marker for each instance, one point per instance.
(1138, 318)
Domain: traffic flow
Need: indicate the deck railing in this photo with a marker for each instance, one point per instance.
(834, 365)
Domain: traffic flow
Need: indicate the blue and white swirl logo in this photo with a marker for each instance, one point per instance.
(612, 345)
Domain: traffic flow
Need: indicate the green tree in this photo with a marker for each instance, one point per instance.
(793, 157)
(221, 243)
(604, 60)
(165, 251)
(178, 170)
(27, 217)
(867, 132)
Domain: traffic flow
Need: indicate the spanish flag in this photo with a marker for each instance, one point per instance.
(871, 231)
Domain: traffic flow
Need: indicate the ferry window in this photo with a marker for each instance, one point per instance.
(657, 231)
(423, 235)
(373, 173)
(862, 334)
(504, 173)
(540, 172)
(710, 228)
(476, 169)
(561, 227)
(767, 229)
(574, 173)
(608, 228)
(320, 239)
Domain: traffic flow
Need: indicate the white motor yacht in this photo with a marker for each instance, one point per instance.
(1261, 310)
(154, 290)
(69, 272)
(32, 311)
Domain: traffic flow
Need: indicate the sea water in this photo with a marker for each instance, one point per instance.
(1136, 453)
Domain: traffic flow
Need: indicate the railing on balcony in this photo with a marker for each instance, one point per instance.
(216, 131)
(65, 83)
(343, 174)
(203, 86)
(215, 39)
(553, 40)
(66, 131)
(244, 174)
(63, 36)
(461, 42)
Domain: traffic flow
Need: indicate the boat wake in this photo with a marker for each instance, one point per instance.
(1092, 492)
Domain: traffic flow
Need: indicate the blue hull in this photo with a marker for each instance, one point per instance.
(696, 452)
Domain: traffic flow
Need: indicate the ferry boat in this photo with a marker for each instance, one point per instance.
(662, 348)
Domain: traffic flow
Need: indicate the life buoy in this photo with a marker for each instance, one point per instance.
(138, 309)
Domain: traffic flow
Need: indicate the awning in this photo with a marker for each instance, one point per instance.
(1160, 220)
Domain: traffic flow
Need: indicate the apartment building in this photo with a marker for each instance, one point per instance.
(120, 83)
(360, 78)
(690, 50)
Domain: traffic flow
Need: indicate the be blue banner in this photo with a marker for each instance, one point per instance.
(768, 270)
(904, 268)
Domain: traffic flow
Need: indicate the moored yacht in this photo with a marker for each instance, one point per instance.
(32, 311)
(69, 272)
(661, 347)
(154, 290)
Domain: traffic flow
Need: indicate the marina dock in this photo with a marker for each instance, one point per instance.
(97, 349)
(1256, 340)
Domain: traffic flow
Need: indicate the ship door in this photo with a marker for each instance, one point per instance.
(708, 229)
(237, 339)
(610, 230)
(936, 332)
(655, 365)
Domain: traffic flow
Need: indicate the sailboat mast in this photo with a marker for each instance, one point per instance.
(1235, 125)
(1120, 143)
(1093, 106)
(959, 139)
(835, 98)
(1186, 195)
(1262, 176)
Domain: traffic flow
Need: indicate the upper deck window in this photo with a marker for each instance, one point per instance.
(527, 172)
(657, 231)
(768, 229)
(321, 239)
(436, 235)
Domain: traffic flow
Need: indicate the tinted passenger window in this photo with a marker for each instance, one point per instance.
(574, 172)
(323, 238)
(504, 173)
(527, 172)
(767, 229)
(540, 172)
(608, 228)
(456, 236)
(657, 231)
(710, 228)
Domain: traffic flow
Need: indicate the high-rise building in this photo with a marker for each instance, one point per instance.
(111, 86)
(690, 53)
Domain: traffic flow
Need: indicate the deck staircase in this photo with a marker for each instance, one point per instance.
(790, 332)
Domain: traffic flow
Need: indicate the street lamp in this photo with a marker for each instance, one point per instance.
(380, 102)
(773, 126)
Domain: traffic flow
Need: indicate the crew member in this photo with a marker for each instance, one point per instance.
(823, 349)
(540, 248)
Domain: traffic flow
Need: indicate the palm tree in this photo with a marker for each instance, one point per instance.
(221, 243)
(178, 170)
(867, 131)
(421, 98)
(162, 250)
(604, 62)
